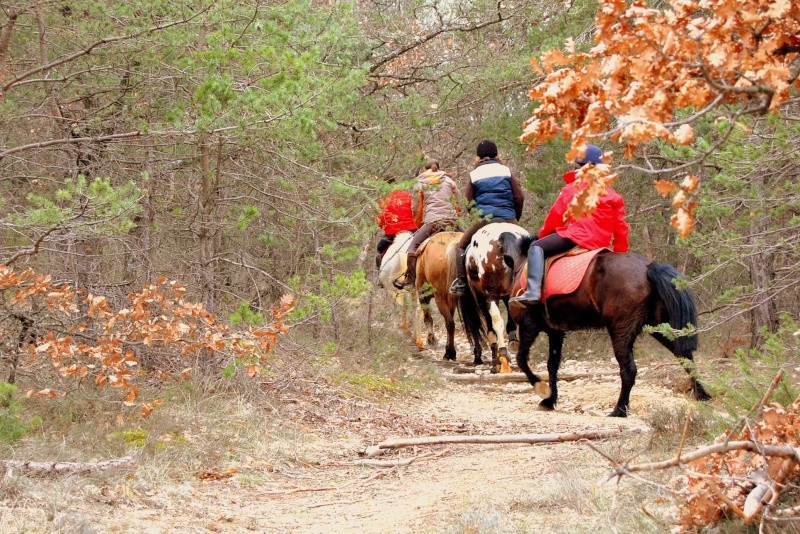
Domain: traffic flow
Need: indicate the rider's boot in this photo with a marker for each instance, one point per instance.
(407, 280)
(459, 285)
(533, 291)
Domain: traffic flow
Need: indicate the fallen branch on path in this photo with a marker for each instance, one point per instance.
(296, 490)
(27, 466)
(390, 463)
(508, 378)
(380, 448)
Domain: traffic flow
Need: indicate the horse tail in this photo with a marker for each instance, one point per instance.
(680, 304)
(471, 318)
(452, 262)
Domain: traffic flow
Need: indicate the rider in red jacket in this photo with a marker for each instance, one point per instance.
(605, 227)
(395, 217)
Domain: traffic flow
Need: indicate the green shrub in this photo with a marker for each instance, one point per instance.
(740, 388)
(12, 425)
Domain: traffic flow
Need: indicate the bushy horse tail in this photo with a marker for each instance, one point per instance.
(469, 310)
(680, 304)
(452, 262)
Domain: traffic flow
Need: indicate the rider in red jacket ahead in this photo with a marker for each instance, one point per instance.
(395, 217)
(605, 227)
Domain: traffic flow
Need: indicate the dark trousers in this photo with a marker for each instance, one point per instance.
(553, 244)
(427, 230)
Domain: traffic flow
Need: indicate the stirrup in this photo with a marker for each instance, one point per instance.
(457, 287)
(525, 300)
(403, 282)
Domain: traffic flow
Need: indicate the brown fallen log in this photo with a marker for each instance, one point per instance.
(380, 448)
(27, 466)
(508, 378)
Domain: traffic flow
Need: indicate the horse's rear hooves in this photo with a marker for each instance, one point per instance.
(618, 413)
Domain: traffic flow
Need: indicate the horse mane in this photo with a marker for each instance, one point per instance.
(515, 249)
(680, 303)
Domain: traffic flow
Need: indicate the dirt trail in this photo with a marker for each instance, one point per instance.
(444, 488)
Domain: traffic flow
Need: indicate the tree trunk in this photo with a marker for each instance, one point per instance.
(764, 314)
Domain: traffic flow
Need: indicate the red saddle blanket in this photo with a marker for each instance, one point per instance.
(564, 275)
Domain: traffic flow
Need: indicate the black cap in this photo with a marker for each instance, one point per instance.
(486, 149)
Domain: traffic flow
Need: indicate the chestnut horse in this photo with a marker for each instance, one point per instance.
(436, 269)
(490, 259)
(619, 293)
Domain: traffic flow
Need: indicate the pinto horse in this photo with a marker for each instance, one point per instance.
(436, 270)
(393, 264)
(619, 293)
(490, 259)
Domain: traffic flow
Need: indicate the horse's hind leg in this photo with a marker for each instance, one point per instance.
(622, 340)
(428, 318)
(698, 391)
(511, 330)
(528, 335)
(450, 327)
(500, 362)
(555, 343)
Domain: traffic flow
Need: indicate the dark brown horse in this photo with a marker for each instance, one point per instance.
(620, 293)
(436, 269)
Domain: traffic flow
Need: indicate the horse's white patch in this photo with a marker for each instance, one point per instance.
(498, 324)
(484, 239)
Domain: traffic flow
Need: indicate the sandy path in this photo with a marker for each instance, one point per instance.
(330, 494)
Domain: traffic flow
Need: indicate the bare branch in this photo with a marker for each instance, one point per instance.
(99, 43)
(419, 41)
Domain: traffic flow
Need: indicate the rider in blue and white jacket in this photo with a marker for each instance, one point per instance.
(497, 196)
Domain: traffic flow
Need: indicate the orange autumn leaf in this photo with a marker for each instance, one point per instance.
(253, 369)
(665, 187)
(690, 184)
(130, 398)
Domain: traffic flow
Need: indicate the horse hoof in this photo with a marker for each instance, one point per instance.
(477, 361)
(431, 340)
(701, 395)
(513, 346)
(451, 356)
(546, 405)
(618, 412)
(543, 390)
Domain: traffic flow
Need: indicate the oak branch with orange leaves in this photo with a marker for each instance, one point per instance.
(726, 57)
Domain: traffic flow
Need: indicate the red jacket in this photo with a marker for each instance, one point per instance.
(605, 227)
(396, 216)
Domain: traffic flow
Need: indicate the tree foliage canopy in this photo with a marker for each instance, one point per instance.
(728, 57)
